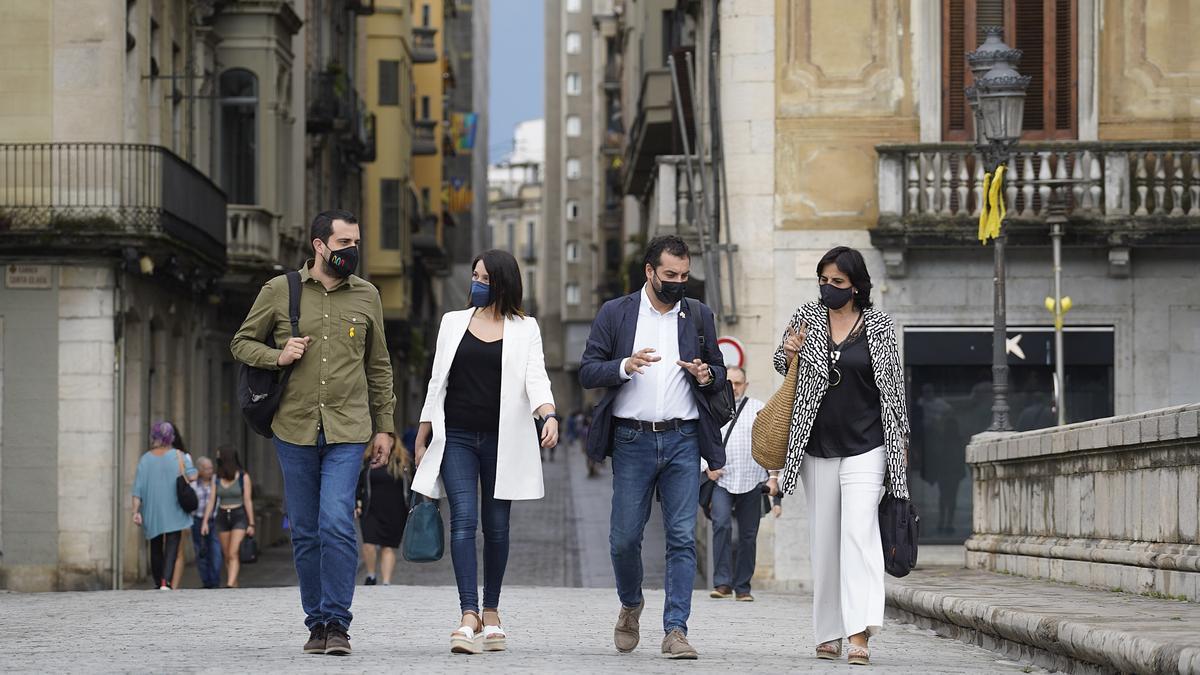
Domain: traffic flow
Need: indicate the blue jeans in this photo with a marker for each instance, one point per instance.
(470, 461)
(642, 461)
(747, 507)
(208, 552)
(319, 484)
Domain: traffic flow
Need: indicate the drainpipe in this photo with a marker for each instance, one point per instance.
(118, 423)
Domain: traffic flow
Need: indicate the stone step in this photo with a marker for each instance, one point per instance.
(1057, 626)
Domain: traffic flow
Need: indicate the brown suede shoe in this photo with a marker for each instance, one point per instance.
(676, 646)
(627, 634)
(316, 640)
(337, 641)
(745, 597)
(721, 593)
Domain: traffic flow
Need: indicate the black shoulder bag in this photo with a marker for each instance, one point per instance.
(899, 529)
(720, 399)
(259, 389)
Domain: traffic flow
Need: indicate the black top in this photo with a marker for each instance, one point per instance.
(849, 422)
(473, 390)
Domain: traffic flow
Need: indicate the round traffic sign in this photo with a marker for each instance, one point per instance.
(732, 350)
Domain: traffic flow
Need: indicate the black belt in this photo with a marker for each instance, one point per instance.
(665, 425)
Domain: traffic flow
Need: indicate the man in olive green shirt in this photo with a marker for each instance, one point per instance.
(339, 398)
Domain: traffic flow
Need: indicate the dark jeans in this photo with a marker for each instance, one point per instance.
(163, 550)
(748, 510)
(208, 552)
(470, 461)
(642, 461)
(319, 483)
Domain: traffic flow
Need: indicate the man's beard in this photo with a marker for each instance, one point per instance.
(327, 268)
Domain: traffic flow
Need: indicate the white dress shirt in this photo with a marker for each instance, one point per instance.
(742, 474)
(663, 391)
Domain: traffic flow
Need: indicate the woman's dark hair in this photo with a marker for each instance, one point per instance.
(670, 243)
(851, 263)
(179, 444)
(228, 464)
(504, 278)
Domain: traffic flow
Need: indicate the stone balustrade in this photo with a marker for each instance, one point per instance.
(252, 235)
(1110, 503)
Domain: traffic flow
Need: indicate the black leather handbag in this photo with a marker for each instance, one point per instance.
(720, 399)
(899, 528)
(188, 500)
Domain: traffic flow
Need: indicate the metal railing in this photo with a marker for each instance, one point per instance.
(116, 188)
(424, 45)
(425, 137)
(1101, 179)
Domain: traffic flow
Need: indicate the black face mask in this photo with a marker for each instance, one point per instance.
(669, 292)
(834, 297)
(342, 262)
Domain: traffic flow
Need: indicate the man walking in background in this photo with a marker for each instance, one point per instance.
(204, 533)
(738, 493)
(655, 421)
(339, 398)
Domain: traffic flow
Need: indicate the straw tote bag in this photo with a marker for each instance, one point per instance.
(769, 435)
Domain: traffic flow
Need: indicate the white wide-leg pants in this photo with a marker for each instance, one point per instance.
(847, 554)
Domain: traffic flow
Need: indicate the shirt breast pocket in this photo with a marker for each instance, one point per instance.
(354, 332)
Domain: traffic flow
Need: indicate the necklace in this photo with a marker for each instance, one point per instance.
(835, 351)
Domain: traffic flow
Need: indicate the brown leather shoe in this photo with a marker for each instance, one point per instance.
(721, 593)
(316, 640)
(676, 646)
(337, 641)
(745, 597)
(627, 634)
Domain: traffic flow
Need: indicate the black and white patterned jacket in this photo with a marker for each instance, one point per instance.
(813, 380)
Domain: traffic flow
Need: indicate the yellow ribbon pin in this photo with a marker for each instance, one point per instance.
(351, 331)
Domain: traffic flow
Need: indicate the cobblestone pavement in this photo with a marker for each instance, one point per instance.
(406, 628)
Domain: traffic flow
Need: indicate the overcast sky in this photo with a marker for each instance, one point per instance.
(517, 76)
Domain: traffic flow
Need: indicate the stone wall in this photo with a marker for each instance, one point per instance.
(1110, 503)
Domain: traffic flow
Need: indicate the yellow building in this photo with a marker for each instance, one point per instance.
(429, 69)
(388, 205)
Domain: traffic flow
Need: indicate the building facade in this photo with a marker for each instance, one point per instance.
(515, 203)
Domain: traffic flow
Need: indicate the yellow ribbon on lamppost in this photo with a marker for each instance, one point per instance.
(991, 212)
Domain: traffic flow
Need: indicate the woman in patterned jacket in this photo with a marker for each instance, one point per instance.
(848, 442)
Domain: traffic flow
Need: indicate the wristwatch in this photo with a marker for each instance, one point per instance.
(549, 415)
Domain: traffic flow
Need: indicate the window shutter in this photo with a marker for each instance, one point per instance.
(1031, 40)
(954, 70)
(1064, 68)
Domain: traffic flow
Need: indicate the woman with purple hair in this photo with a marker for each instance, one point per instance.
(155, 503)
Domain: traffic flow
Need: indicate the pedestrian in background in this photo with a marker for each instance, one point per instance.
(383, 512)
(848, 443)
(234, 511)
(655, 421)
(180, 445)
(339, 399)
(738, 493)
(156, 503)
(478, 434)
(204, 531)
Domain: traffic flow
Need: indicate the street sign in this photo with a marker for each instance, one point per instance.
(733, 351)
(27, 276)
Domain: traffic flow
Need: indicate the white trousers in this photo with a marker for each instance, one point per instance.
(847, 554)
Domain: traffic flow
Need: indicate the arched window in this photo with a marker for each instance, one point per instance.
(239, 135)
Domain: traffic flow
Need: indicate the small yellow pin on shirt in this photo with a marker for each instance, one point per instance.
(351, 331)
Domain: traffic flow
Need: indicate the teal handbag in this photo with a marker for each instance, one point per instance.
(424, 534)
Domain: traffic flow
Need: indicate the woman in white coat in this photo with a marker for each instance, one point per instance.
(478, 429)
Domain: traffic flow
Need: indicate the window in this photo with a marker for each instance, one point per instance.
(1045, 31)
(389, 83)
(574, 43)
(530, 240)
(426, 199)
(512, 237)
(424, 107)
(572, 251)
(425, 15)
(572, 293)
(574, 125)
(389, 213)
(574, 84)
(574, 170)
(530, 285)
(239, 135)
(573, 5)
(572, 209)
(490, 235)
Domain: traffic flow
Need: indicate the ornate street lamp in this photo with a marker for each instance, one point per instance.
(998, 101)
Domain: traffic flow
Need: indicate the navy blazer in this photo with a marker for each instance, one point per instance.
(611, 341)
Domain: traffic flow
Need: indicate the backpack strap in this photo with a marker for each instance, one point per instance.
(293, 278)
(697, 320)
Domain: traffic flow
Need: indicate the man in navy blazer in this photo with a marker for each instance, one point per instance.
(656, 423)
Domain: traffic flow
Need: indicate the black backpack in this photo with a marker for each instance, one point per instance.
(899, 528)
(259, 390)
(720, 400)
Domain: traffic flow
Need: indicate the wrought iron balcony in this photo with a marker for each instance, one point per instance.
(652, 132)
(253, 236)
(1116, 194)
(424, 45)
(68, 197)
(425, 137)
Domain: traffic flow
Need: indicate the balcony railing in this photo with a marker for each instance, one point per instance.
(651, 133)
(1145, 191)
(424, 45)
(253, 235)
(425, 137)
(123, 191)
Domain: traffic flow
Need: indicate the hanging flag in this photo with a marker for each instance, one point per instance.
(462, 132)
(992, 212)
